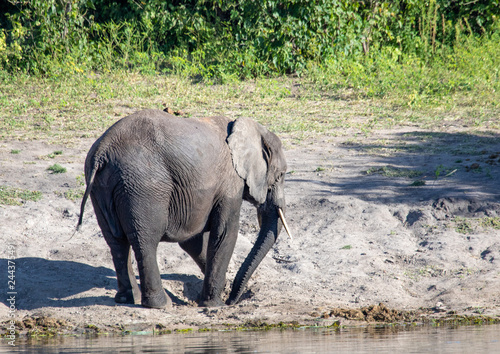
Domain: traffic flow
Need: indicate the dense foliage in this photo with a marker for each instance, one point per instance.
(242, 38)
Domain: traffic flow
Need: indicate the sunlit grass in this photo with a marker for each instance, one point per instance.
(84, 105)
(16, 196)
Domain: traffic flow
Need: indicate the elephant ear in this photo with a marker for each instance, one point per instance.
(251, 155)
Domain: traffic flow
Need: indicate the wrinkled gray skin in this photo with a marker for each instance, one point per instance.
(154, 177)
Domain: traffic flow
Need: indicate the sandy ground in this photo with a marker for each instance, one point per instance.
(363, 236)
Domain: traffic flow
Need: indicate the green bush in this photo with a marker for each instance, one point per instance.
(471, 64)
(217, 39)
(56, 168)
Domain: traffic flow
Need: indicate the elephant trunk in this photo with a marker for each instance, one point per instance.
(270, 229)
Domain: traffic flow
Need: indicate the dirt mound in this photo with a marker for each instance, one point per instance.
(450, 207)
(42, 321)
(373, 313)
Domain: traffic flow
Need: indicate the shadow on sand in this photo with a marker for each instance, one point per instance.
(414, 167)
(40, 283)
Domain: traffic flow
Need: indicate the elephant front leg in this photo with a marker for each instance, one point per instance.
(128, 291)
(219, 251)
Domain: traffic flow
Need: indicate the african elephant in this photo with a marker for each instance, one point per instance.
(155, 177)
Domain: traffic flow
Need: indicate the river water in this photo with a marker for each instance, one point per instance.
(400, 339)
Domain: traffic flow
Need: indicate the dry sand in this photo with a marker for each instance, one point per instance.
(363, 236)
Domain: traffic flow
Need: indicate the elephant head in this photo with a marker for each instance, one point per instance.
(259, 160)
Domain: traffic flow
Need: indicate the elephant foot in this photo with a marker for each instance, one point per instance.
(126, 297)
(157, 301)
(211, 303)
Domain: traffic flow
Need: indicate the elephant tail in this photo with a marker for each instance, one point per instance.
(90, 183)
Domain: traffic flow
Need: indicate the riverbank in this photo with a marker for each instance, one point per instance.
(407, 217)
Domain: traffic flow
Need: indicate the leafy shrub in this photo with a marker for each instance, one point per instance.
(218, 39)
(56, 168)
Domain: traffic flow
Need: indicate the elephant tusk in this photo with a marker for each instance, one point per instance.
(285, 225)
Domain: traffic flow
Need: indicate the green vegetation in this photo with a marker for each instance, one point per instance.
(490, 222)
(184, 330)
(418, 183)
(463, 320)
(74, 194)
(462, 225)
(71, 68)
(389, 171)
(91, 329)
(222, 38)
(54, 154)
(471, 225)
(442, 171)
(432, 271)
(15, 196)
(80, 179)
(56, 168)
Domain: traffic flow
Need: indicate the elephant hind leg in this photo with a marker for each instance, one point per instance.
(152, 293)
(128, 290)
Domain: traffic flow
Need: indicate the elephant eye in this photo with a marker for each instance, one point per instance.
(280, 177)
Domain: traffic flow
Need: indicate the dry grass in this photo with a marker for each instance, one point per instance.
(62, 109)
